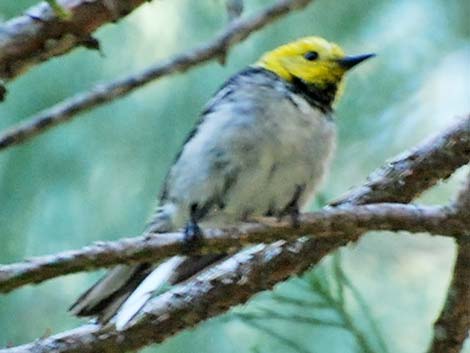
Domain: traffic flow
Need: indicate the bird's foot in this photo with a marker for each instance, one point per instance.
(192, 237)
(294, 217)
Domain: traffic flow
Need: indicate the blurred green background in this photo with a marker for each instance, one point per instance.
(97, 177)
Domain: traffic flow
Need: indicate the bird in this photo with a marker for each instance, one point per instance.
(261, 147)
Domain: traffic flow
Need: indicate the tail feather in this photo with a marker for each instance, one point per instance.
(170, 272)
(114, 287)
(162, 275)
(105, 297)
(124, 290)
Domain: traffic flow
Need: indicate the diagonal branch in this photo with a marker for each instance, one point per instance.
(40, 34)
(462, 204)
(235, 32)
(210, 293)
(453, 324)
(324, 224)
(258, 268)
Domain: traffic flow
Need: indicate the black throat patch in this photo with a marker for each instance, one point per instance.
(320, 98)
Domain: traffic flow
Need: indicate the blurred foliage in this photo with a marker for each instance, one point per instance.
(323, 299)
(96, 178)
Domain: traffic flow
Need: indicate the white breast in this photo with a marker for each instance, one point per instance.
(297, 145)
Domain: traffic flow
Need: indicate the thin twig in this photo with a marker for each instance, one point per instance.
(288, 342)
(321, 288)
(267, 314)
(345, 282)
(235, 32)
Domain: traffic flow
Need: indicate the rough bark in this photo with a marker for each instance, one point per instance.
(453, 324)
(39, 34)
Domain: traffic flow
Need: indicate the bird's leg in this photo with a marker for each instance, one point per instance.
(292, 208)
(294, 216)
(192, 233)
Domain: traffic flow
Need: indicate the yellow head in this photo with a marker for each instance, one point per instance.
(311, 61)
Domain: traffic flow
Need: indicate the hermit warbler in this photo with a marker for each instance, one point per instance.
(261, 147)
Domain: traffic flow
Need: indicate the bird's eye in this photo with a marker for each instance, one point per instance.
(311, 55)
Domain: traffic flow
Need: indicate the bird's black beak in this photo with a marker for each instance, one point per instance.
(350, 61)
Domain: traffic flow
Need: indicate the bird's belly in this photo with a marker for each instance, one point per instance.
(251, 166)
(295, 162)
